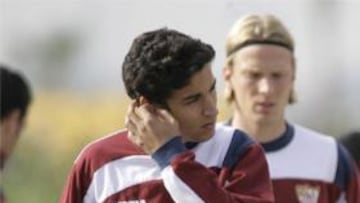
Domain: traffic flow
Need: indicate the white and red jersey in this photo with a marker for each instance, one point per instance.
(229, 167)
(308, 167)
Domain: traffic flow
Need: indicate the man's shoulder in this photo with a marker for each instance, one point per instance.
(236, 135)
(307, 149)
(103, 150)
(314, 141)
(313, 136)
(237, 143)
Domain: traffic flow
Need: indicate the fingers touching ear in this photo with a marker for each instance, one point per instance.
(142, 100)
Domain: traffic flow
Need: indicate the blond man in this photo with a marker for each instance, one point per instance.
(305, 166)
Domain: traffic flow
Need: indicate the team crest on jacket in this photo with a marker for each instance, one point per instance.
(307, 194)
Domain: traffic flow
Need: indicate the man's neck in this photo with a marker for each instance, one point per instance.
(261, 132)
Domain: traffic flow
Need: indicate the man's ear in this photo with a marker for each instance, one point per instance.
(293, 61)
(142, 100)
(11, 124)
(227, 72)
(14, 120)
(11, 127)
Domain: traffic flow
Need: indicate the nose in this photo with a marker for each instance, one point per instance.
(210, 108)
(265, 86)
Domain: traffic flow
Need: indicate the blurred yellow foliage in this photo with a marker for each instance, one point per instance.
(59, 125)
(66, 118)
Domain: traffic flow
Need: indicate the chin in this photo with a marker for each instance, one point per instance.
(264, 119)
(206, 136)
(202, 137)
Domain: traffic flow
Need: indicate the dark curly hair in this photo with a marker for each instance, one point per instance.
(15, 92)
(162, 61)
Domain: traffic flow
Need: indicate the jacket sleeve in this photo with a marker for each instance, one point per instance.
(189, 181)
(77, 182)
(353, 188)
(349, 174)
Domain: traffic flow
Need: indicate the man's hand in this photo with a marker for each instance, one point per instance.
(150, 127)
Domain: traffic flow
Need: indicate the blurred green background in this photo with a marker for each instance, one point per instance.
(58, 126)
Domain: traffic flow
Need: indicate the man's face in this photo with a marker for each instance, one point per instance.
(11, 127)
(262, 79)
(194, 106)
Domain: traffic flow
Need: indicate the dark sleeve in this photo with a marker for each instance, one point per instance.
(347, 176)
(246, 181)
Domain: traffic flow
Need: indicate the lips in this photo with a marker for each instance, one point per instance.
(210, 125)
(264, 106)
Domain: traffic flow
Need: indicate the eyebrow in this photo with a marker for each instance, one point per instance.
(198, 95)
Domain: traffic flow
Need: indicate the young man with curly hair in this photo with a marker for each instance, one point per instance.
(172, 149)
